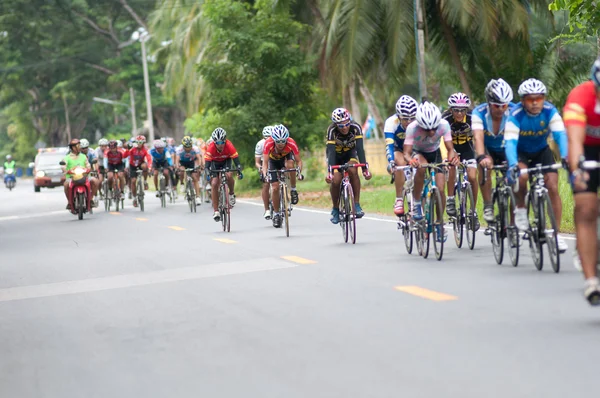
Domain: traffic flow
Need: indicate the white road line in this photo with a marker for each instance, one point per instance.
(564, 236)
(143, 279)
(50, 213)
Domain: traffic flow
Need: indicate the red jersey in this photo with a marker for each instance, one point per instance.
(583, 109)
(277, 154)
(114, 158)
(137, 156)
(212, 155)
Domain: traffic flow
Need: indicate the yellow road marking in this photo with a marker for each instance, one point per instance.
(142, 219)
(115, 213)
(426, 293)
(225, 240)
(176, 228)
(298, 260)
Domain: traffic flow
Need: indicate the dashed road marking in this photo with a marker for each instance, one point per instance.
(115, 213)
(141, 219)
(426, 293)
(176, 228)
(223, 240)
(299, 260)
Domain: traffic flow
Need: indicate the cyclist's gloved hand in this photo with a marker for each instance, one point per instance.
(300, 176)
(240, 175)
(328, 178)
(578, 180)
(414, 162)
(390, 167)
(565, 163)
(261, 177)
(367, 174)
(512, 175)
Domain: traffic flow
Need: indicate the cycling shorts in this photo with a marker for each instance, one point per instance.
(497, 157)
(133, 170)
(592, 153)
(465, 151)
(346, 157)
(156, 164)
(188, 165)
(545, 157)
(430, 157)
(116, 167)
(278, 165)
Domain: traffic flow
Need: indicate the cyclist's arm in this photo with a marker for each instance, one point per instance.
(265, 165)
(407, 150)
(257, 160)
(478, 134)
(450, 149)
(557, 127)
(236, 161)
(208, 165)
(360, 150)
(169, 159)
(176, 161)
(511, 140)
(389, 130)
(576, 138)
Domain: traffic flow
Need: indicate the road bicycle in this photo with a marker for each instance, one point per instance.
(164, 190)
(433, 214)
(347, 204)
(405, 219)
(503, 226)
(190, 191)
(466, 216)
(285, 204)
(224, 206)
(140, 188)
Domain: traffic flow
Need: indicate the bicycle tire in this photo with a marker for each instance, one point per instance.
(226, 209)
(458, 222)
(425, 228)
(470, 216)
(437, 216)
(405, 219)
(512, 233)
(107, 200)
(498, 227)
(534, 237)
(284, 208)
(552, 235)
(117, 202)
(162, 190)
(189, 194)
(351, 215)
(343, 212)
(140, 193)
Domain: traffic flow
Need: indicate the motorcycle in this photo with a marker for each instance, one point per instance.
(80, 191)
(9, 178)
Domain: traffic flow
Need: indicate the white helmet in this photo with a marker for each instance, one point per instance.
(498, 92)
(8, 157)
(267, 131)
(159, 144)
(83, 143)
(103, 141)
(219, 134)
(459, 100)
(340, 115)
(406, 106)
(280, 133)
(428, 116)
(532, 86)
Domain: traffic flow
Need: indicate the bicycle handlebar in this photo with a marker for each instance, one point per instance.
(346, 166)
(590, 164)
(538, 168)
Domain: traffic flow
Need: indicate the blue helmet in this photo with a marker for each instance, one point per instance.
(596, 73)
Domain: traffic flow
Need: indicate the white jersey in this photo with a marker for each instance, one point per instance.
(260, 146)
(99, 154)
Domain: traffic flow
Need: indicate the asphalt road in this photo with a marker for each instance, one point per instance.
(164, 304)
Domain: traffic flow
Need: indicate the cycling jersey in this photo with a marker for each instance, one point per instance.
(583, 109)
(278, 154)
(394, 136)
(187, 156)
(161, 158)
(91, 155)
(213, 155)
(529, 134)
(481, 119)
(259, 148)
(461, 131)
(114, 158)
(422, 142)
(338, 143)
(137, 156)
(100, 155)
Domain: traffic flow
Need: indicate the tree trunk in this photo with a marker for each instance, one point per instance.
(452, 47)
(373, 110)
(354, 103)
(67, 118)
(346, 102)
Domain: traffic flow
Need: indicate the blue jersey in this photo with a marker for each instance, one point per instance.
(394, 136)
(525, 133)
(481, 119)
(161, 157)
(91, 155)
(171, 149)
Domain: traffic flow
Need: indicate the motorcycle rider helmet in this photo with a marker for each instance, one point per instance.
(74, 141)
(8, 157)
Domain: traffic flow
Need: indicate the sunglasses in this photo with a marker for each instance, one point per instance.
(407, 119)
(280, 142)
(342, 125)
(459, 110)
(220, 142)
(532, 99)
(498, 106)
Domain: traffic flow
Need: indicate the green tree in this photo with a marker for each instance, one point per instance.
(584, 19)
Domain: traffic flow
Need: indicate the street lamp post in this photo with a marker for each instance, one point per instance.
(131, 109)
(142, 35)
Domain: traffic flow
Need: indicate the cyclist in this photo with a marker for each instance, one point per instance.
(170, 147)
(422, 146)
(160, 158)
(84, 146)
(280, 152)
(488, 121)
(345, 145)
(218, 156)
(139, 159)
(582, 119)
(102, 146)
(77, 159)
(258, 161)
(526, 144)
(114, 161)
(459, 118)
(395, 132)
(187, 156)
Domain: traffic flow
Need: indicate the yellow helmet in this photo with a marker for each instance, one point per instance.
(187, 141)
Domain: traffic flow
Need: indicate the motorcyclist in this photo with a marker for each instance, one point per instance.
(9, 164)
(74, 159)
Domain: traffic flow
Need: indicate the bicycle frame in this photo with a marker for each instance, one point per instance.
(346, 204)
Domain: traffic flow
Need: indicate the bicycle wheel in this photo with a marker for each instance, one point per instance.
(535, 243)
(107, 200)
(497, 228)
(458, 221)
(227, 209)
(405, 224)
(470, 216)
(284, 208)
(343, 211)
(351, 211)
(550, 231)
(436, 214)
(163, 191)
(512, 233)
(189, 194)
(117, 200)
(426, 227)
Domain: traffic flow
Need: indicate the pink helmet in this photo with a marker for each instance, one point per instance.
(459, 100)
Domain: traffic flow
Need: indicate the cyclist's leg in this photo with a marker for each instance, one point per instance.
(354, 176)
(155, 175)
(195, 179)
(276, 195)
(336, 180)
(546, 158)
(472, 173)
(440, 179)
(399, 175)
(144, 167)
(275, 165)
(122, 180)
(265, 195)
(167, 174)
(214, 184)
(419, 178)
(111, 179)
(290, 163)
(133, 178)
